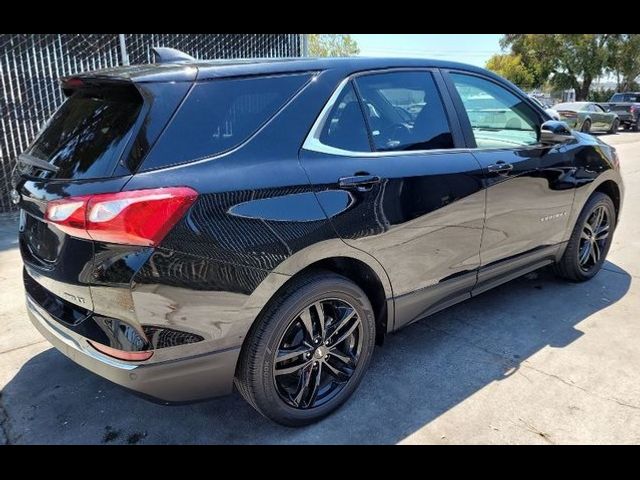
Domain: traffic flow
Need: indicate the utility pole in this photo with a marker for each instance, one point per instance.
(123, 49)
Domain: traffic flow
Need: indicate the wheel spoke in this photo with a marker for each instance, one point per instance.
(305, 378)
(291, 369)
(343, 322)
(602, 232)
(286, 354)
(596, 219)
(340, 356)
(595, 252)
(585, 254)
(316, 385)
(584, 235)
(346, 334)
(305, 317)
(338, 374)
(588, 229)
(320, 312)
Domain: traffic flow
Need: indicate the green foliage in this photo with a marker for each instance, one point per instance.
(567, 60)
(624, 59)
(600, 95)
(332, 45)
(510, 66)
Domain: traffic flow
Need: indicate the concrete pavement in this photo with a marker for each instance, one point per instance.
(536, 361)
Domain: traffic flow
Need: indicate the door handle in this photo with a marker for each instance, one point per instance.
(500, 167)
(362, 183)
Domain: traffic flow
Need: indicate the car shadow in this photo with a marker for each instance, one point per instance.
(421, 372)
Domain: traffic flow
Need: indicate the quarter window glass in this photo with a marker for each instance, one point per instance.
(219, 115)
(498, 118)
(345, 127)
(598, 108)
(404, 111)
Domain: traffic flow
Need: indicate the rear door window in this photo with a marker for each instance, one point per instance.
(86, 135)
(404, 111)
(219, 115)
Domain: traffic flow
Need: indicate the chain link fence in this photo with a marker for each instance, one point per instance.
(30, 66)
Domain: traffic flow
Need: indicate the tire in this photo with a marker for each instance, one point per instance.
(634, 127)
(281, 328)
(615, 126)
(570, 266)
(586, 126)
(626, 126)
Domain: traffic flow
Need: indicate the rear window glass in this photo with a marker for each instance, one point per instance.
(626, 97)
(86, 135)
(578, 107)
(219, 115)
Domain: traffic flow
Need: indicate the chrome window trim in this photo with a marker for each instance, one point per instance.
(312, 141)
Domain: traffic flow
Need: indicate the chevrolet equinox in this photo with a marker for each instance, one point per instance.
(190, 225)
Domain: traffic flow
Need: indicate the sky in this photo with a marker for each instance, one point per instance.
(474, 49)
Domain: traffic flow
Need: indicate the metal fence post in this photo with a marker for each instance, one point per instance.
(305, 44)
(123, 49)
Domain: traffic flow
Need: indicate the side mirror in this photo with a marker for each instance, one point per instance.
(553, 132)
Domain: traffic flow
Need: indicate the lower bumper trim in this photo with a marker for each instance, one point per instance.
(177, 381)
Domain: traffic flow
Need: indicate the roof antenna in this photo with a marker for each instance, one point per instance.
(170, 55)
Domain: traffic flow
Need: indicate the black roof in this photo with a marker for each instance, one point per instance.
(208, 69)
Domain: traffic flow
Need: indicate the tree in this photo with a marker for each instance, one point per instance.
(332, 45)
(568, 60)
(510, 66)
(624, 59)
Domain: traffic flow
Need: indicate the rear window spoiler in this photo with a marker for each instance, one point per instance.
(71, 84)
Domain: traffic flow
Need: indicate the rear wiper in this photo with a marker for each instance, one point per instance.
(37, 162)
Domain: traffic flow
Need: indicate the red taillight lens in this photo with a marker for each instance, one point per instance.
(566, 114)
(138, 217)
(121, 354)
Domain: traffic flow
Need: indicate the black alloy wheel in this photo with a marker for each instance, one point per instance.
(309, 349)
(590, 240)
(318, 353)
(594, 238)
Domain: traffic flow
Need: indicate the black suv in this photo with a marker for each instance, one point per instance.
(188, 225)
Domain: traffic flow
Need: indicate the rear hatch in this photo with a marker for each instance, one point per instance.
(92, 145)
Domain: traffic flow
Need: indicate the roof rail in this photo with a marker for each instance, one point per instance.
(170, 55)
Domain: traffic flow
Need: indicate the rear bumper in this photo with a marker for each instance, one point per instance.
(175, 381)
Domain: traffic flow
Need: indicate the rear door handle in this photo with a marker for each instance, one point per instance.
(362, 183)
(500, 167)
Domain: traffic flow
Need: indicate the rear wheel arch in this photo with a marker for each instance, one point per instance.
(374, 283)
(367, 279)
(612, 190)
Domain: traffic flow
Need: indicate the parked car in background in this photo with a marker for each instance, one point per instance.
(588, 116)
(192, 224)
(547, 108)
(627, 106)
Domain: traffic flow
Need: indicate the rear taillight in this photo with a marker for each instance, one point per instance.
(138, 217)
